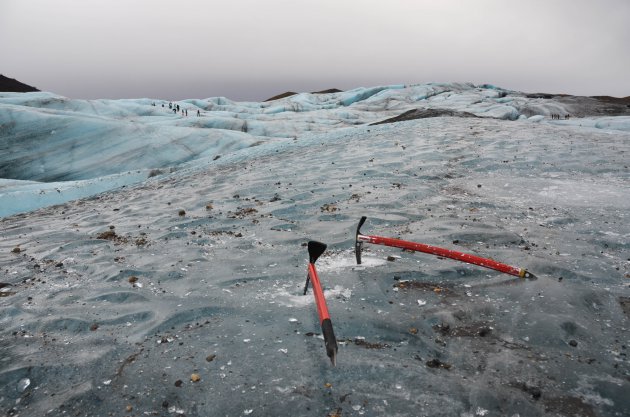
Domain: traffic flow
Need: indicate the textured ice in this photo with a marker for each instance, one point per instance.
(116, 300)
(49, 138)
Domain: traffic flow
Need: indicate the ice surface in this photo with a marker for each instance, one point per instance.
(49, 138)
(116, 300)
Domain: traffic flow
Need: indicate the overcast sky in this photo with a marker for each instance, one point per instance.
(254, 49)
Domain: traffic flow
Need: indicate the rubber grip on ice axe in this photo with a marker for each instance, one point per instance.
(315, 249)
(437, 251)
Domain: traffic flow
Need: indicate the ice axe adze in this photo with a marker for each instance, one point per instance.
(434, 250)
(315, 249)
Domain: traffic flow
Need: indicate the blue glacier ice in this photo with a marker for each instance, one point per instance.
(139, 247)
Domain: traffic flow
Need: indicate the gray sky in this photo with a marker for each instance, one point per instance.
(254, 49)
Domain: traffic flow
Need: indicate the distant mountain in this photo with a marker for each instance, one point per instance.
(328, 91)
(615, 100)
(283, 95)
(291, 93)
(11, 85)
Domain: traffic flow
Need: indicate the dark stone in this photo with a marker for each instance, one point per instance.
(12, 85)
(436, 363)
(485, 331)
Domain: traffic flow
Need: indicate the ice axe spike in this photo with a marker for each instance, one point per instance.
(330, 341)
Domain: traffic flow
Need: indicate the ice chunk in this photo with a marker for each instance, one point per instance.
(23, 384)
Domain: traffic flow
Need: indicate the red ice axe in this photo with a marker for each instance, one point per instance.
(435, 250)
(315, 249)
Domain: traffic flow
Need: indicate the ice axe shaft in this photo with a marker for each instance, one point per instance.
(315, 249)
(437, 251)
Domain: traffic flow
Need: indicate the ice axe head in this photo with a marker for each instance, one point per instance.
(315, 250)
(358, 246)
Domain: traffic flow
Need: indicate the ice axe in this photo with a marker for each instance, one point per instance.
(437, 251)
(315, 249)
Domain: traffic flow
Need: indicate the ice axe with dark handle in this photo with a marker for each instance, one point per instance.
(437, 251)
(315, 249)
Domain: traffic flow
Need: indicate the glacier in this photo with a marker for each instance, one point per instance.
(141, 247)
(79, 148)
